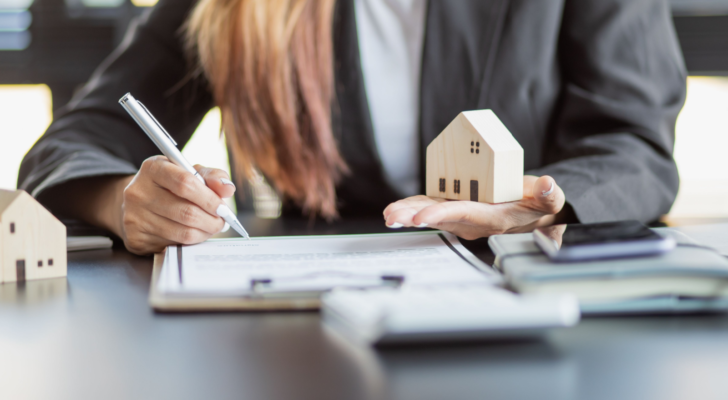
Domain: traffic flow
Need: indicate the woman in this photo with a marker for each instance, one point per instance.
(335, 102)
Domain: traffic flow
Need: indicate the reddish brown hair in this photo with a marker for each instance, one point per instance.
(270, 68)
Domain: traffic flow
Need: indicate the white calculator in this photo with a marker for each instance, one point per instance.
(444, 313)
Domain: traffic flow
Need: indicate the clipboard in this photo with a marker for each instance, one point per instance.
(163, 303)
(265, 299)
(302, 292)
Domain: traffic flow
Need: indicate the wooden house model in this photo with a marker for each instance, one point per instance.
(475, 158)
(32, 240)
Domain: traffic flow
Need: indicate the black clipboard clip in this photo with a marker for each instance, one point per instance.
(315, 284)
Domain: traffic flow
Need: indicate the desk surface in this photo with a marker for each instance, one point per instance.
(94, 336)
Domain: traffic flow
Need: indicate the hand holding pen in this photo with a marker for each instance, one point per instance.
(169, 201)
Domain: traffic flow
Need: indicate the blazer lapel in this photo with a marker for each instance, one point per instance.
(461, 43)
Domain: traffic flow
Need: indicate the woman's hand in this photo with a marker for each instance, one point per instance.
(164, 204)
(542, 200)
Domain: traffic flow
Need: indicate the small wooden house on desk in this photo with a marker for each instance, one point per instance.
(32, 240)
(475, 158)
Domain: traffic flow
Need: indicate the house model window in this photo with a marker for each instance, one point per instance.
(495, 175)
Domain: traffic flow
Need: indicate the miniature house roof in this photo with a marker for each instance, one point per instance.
(7, 197)
(486, 124)
(10, 197)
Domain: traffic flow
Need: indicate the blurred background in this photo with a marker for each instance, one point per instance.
(49, 48)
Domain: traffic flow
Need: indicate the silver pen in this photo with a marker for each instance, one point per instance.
(168, 146)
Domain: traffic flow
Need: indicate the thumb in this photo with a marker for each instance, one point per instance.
(217, 180)
(547, 195)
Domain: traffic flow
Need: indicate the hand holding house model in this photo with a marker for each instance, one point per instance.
(475, 158)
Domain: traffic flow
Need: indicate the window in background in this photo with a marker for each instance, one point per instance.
(15, 20)
(25, 113)
(700, 150)
(144, 3)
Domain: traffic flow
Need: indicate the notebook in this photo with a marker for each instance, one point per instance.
(687, 279)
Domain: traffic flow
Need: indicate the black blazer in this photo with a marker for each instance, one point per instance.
(590, 88)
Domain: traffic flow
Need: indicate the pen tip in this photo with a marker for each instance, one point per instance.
(241, 230)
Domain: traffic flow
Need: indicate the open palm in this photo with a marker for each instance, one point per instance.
(542, 200)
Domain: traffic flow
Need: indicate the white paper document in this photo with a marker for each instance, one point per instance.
(300, 263)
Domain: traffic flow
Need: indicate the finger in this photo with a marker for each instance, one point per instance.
(146, 232)
(217, 180)
(528, 182)
(177, 209)
(401, 218)
(415, 202)
(547, 196)
(183, 184)
(157, 225)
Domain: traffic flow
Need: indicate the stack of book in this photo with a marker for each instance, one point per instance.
(690, 278)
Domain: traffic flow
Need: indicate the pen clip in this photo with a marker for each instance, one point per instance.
(156, 122)
(297, 284)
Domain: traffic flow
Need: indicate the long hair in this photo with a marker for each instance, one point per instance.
(269, 64)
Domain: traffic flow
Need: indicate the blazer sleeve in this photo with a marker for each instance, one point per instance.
(624, 83)
(93, 135)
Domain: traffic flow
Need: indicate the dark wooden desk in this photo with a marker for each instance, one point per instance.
(94, 336)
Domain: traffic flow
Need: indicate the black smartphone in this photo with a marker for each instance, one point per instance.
(579, 242)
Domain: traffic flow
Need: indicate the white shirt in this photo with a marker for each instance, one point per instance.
(391, 35)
